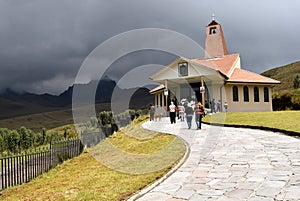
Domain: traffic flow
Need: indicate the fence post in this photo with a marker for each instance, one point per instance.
(5, 169)
(17, 170)
(2, 175)
(22, 168)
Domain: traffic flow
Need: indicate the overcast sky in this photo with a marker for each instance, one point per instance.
(44, 42)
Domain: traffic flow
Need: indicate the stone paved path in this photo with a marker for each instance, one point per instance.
(231, 164)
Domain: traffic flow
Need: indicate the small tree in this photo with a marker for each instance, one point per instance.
(25, 138)
(13, 139)
(65, 133)
(296, 82)
(105, 118)
(2, 145)
(4, 132)
(44, 136)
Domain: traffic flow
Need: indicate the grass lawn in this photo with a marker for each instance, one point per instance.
(284, 120)
(85, 178)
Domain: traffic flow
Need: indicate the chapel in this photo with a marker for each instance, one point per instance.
(217, 78)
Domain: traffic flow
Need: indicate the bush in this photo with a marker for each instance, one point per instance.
(27, 138)
(286, 100)
(106, 118)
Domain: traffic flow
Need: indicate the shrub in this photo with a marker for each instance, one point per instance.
(105, 118)
(286, 100)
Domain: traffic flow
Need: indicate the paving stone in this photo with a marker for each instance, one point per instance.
(199, 173)
(278, 178)
(293, 193)
(295, 180)
(174, 199)
(220, 175)
(155, 196)
(234, 179)
(184, 194)
(238, 173)
(255, 179)
(212, 182)
(239, 193)
(280, 196)
(210, 192)
(167, 188)
(223, 198)
(268, 191)
(282, 173)
(223, 186)
(198, 198)
(249, 185)
(191, 186)
(274, 184)
(259, 198)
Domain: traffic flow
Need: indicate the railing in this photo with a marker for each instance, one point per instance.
(23, 168)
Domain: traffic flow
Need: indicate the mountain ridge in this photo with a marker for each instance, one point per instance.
(14, 104)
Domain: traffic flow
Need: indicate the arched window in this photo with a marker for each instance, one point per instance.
(266, 94)
(256, 94)
(246, 94)
(235, 93)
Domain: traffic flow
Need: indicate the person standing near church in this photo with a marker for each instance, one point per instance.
(181, 111)
(151, 111)
(172, 109)
(226, 106)
(199, 111)
(189, 115)
(213, 106)
(219, 106)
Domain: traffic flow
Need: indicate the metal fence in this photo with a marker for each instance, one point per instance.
(23, 168)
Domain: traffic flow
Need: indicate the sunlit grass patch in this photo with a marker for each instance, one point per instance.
(284, 120)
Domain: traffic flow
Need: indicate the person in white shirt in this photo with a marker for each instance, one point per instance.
(172, 109)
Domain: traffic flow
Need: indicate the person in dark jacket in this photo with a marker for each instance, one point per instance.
(189, 115)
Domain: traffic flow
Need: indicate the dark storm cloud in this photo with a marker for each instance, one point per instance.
(43, 43)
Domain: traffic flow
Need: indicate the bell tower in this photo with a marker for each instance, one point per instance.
(215, 45)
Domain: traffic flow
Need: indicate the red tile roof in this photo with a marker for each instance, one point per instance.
(224, 63)
(240, 75)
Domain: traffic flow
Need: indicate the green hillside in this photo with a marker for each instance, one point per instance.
(285, 74)
(285, 97)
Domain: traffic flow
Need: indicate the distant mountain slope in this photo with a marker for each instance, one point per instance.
(285, 74)
(14, 104)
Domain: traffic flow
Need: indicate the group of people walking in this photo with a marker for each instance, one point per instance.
(187, 111)
(198, 109)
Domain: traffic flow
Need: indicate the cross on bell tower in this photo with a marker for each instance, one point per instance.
(215, 42)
